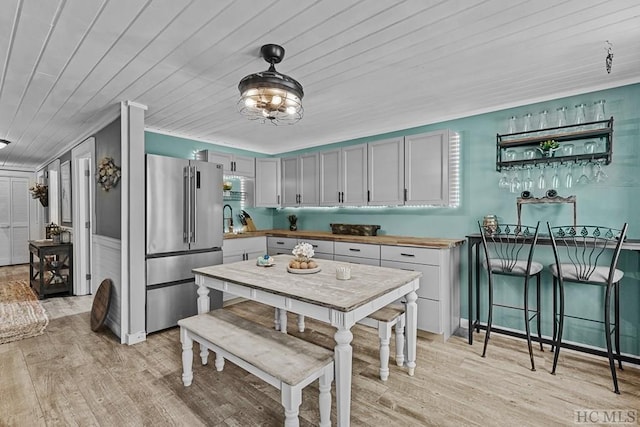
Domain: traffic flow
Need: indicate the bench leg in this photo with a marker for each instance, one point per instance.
(400, 340)
(324, 401)
(219, 362)
(187, 357)
(384, 333)
(300, 323)
(283, 321)
(276, 321)
(291, 397)
(204, 354)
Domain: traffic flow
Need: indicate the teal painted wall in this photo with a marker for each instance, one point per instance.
(611, 202)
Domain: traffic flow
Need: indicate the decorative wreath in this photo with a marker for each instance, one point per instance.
(108, 173)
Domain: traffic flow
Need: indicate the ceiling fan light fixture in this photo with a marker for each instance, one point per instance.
(269, 95)
(4, 143)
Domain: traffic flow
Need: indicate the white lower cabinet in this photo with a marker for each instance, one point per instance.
(439, 292)
(357, 253)
(242, 249)
(280, 245)
(323, 249)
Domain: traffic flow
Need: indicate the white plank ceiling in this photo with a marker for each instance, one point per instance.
(367, 66)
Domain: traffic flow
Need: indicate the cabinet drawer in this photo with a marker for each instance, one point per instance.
(322, 255)
(323, 246)
(429, 315)
(410, 254)
(361, 250)
(429, 282)
(357, 260)
(282, 242)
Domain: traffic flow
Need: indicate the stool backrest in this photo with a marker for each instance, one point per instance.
(585, 246)
(507, 244)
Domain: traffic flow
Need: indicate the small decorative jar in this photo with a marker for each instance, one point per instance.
(490, 224)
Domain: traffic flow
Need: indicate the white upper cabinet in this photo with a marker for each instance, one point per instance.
(426, 168)
(343, 176)
(268, 180)
(300, 180)
(232, 164)
(386, 172)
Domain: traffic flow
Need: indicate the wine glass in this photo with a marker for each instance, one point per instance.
(584, 177)
(555, 179)
(580, 117)
(513, 120)
(600, 175)
(526, 126)
(562, 116)
(542, 120)
(599, 110)
(568, 179)
(542, 184)
(503, 183)
(515, 182)
(527, 184)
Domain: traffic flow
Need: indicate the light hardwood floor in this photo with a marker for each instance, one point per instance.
(72, 376)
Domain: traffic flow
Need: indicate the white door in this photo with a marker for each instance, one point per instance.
(82, 204)
(20, 220)
(5, 221)
(353, 164)
(290, 182)
(268, 182)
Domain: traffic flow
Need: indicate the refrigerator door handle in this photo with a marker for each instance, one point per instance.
(194, 204)
(185, 205)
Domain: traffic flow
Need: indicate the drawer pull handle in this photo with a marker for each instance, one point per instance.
(279, 243)
(315, 246)
(403, 254)
(354, 250)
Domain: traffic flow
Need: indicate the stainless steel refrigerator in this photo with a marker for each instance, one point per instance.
(184, 231)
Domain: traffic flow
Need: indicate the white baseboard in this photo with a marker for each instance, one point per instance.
(136, 338)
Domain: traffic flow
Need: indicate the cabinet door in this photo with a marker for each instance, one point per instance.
(426, 160)
(308, 187)
(224, 159)
(353, 175)
(386, 172)
(330, 177)
(267, 183)
(244, 166)
(290, 181)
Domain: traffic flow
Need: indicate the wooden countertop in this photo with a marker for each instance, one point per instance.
(427, 242)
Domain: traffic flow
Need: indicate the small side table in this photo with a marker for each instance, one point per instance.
(51, 268)
(537, 200)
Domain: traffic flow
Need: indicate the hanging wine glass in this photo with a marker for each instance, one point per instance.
(503, 183)
(515, 182)
(542, 184)
(555, 179)
(600, 175)
(527, 184)
(568, 179)
(584, 178)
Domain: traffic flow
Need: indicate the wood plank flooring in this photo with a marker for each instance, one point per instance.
(72, 376)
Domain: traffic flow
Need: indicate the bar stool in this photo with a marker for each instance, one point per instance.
(505, 248)
(579, 251)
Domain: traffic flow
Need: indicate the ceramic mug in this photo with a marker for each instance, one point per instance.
(343, 273)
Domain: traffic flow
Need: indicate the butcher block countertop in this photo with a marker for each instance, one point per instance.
(427, 242)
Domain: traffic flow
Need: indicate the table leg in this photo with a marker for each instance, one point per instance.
(343, 353)
(203, 307)
(411, 330)
(283, 320)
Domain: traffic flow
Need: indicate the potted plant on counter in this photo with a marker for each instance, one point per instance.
(548, 147)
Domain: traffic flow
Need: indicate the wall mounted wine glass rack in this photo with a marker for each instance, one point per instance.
(601, 132)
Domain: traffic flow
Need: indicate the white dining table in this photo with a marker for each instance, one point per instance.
(320, 296)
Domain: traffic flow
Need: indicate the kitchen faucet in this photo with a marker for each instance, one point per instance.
(227, 222)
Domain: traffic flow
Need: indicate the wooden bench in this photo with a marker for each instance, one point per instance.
(286, 362)
(383, 320)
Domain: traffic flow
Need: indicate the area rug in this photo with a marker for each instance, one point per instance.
(21, 314)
